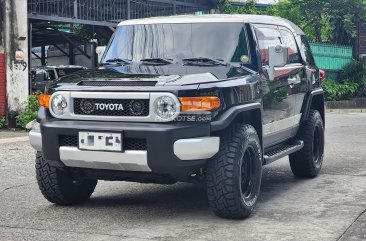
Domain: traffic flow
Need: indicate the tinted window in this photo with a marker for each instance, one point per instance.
(289, 40)
(66, 71)
(225, 41)
(267, 36)
(309, 59)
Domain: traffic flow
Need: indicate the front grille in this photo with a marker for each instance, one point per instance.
(117, 83)
(111, 107)
(128, 143)
(134, 144)
(68, 141)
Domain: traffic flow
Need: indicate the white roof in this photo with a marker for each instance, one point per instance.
(216, 18)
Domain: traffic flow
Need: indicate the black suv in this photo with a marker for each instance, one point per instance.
(41, 76)
(203, 99)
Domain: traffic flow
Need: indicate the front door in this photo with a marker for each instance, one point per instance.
(280, 113)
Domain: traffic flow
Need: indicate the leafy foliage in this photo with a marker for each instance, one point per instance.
(2, 122)
(352, 83)
(331, 21)
(355, 72)
(339, 91)
(248, 8)
(30, 113)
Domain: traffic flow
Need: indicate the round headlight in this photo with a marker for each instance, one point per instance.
(166, 108)
(59, 105)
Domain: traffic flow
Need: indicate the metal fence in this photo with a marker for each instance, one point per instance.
(110, 11)
(330, 56)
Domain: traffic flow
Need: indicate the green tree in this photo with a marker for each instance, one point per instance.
(344, 16)
(248, 8)
(310, 15)
(331, 21)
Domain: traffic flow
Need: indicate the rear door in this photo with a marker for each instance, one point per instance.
(279, 96)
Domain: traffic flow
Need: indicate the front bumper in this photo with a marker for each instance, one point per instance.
(174, 149)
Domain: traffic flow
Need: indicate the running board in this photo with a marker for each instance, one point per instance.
(283, 151)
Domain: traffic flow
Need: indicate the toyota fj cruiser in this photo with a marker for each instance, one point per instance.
(203, 99)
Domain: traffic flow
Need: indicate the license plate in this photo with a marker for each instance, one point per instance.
(98, 141)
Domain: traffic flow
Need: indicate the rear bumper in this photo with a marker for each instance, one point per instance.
(177, 149)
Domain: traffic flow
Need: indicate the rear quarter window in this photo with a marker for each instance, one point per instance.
(307, 54)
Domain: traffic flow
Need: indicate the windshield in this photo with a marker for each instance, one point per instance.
(222, 41)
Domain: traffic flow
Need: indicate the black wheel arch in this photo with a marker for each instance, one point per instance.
(314, 101)
(250, 113)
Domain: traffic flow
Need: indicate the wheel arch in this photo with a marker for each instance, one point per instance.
(248, 113)
(315, 101)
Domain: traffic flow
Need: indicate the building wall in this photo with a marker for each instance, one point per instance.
(2, 86)
(2, 63)
(15, 38)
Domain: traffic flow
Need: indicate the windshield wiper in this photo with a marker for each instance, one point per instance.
(153, 61)
(117, 61)
(204, 61)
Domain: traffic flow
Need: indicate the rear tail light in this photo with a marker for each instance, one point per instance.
(322, 74)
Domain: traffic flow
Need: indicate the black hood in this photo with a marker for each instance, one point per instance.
(167, 75)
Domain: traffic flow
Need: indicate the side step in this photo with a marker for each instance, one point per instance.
(283, 151)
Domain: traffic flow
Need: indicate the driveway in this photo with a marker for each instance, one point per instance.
(329, 207)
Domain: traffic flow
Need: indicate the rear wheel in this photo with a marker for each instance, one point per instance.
(308, 161)
(234, 174)
(59, 187)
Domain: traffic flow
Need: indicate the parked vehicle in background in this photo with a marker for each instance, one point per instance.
(41, 76)
(202, 99)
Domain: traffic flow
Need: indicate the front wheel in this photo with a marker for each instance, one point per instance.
(234, 174)
(59, 187)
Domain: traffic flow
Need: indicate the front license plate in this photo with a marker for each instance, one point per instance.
(98, 141)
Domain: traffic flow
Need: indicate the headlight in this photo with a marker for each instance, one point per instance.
(166, 108)
(58, 105)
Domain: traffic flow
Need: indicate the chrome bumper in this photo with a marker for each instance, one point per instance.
(126, 161)
(196, 148)
(35, 139)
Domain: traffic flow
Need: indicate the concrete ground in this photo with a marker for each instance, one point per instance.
(330, 207)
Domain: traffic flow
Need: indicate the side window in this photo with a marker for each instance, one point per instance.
(293, 52)
(307, 51)
(267, 35)
(51, 75)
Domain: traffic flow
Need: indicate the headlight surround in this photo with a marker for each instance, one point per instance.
(166, 108)
(58, 105)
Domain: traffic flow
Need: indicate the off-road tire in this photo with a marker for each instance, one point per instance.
(58, 186)
(224, 173)
(308, 161)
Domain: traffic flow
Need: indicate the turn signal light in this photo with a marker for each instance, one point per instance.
(44, 100)
(201, 103)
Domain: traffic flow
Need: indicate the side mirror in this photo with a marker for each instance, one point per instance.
(277, 57)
